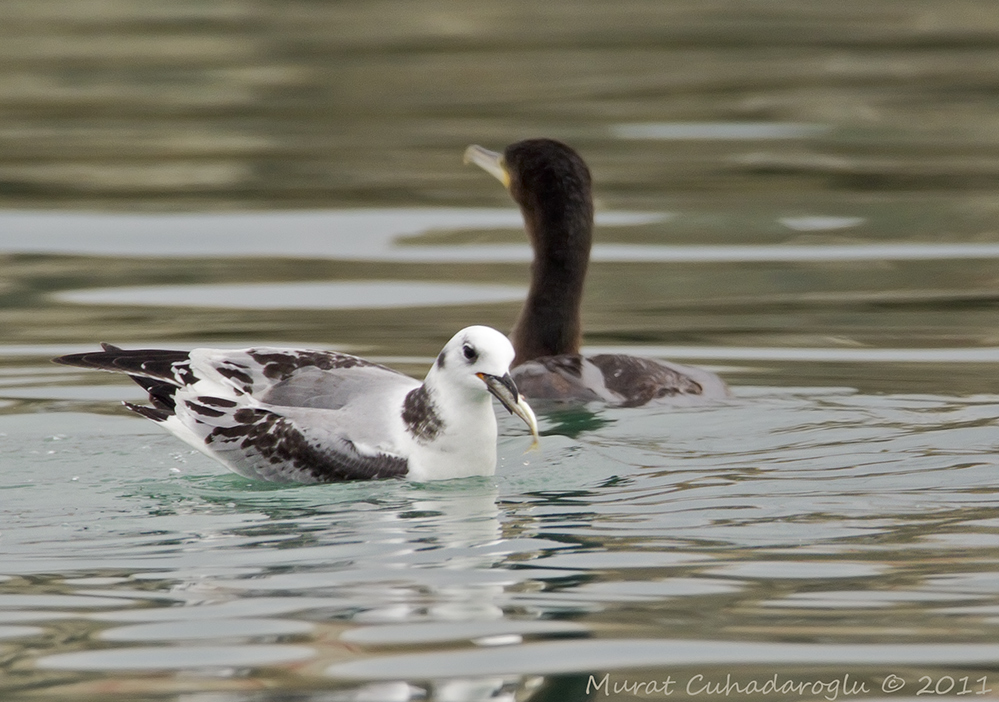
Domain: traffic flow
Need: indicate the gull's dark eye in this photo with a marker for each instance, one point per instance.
(470, 353)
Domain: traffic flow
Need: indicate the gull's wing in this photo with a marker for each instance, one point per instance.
(296, 377)
(287, 377)
(282, 444)
(271, 413)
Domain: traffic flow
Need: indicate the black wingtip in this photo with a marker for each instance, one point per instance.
(151, 363)
(83, 360)
(78, 360)
(157, 415)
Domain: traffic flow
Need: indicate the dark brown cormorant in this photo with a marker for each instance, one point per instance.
(552, 186)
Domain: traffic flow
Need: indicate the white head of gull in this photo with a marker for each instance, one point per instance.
(293, 415)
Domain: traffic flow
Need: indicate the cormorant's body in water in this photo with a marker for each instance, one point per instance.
(552, 186)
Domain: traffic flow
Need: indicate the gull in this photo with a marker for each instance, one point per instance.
(305, 416)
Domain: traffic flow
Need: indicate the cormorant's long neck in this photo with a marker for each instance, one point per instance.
(549, 323)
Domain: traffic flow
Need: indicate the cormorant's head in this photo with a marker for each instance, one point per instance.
(547, 178)
(546, 171)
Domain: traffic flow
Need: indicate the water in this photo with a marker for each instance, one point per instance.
(798, 195)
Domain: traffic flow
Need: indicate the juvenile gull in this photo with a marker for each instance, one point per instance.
(552, 186)
(293, 415)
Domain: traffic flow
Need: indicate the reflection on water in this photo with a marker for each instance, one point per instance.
(707, 131)
(818, 224)
(826, 355)
(644, 654)
(803, 191)
(177, 658)
(394, 236)
(277, 296)
(349, 235)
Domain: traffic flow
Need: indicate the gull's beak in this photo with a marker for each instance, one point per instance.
(506, 392)
(489, 161)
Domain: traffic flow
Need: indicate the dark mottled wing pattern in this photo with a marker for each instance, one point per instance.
(262, 443)
(637, 381)
(281, 364)
(296, 378)
(290, 440)
(626, 381)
